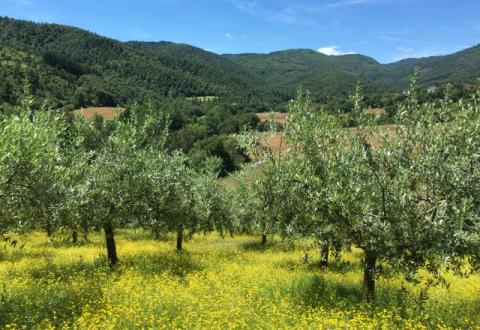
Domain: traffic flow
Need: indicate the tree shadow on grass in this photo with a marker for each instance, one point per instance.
(56, 302)
(64, 272)
(341, 266)
(174, 263)
(18, 255)
(138, 235)
(314, 291)
(275, 246)
(66, 242)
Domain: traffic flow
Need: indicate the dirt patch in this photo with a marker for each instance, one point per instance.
(377, 112)
(278, 117)
(275, 142)
(107, 113)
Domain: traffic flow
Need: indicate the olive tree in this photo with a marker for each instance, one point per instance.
(186, 200)
(116, 175)
(394, 192)
(30, 170)
(255, 201)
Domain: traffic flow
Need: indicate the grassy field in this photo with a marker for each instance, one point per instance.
(202, 98)
(214, 284)
(278, 117)
(107, 113)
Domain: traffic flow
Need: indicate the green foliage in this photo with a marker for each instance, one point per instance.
(105, 72)
(327, 77)
(225, 148)
(73, 68)
(31, 170)
(406, 196)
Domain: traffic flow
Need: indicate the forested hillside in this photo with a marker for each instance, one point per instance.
(201, 63)
(461, 67)
(72, 68)
(323, 75)
(102, 71)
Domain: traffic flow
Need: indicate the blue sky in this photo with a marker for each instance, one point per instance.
(387, 30)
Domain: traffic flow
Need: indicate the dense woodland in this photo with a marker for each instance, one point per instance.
(73, 68)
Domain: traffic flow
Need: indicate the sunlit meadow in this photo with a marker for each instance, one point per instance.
(216, 283)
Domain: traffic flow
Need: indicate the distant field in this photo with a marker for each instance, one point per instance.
(375, 111)
(278, 117)
(107, 113)
(202, 98)
(276, 142)
(281, 117)
(252, 174)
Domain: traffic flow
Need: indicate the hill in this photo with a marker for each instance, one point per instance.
(322, 74)
(198, 61)
(325, 76)
(45, 82)
(74, 68)
(461, 67)
(107, 72)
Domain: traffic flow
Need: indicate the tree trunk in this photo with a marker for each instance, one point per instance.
(369, 272)
(48, 229)
(110, 243)
(337, 251)
(179, 239)
(324, 250)
(85, 230)
(74, 237)
(264, 239)
(264, 233)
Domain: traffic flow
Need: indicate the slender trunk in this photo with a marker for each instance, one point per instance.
(48, 229)
(264, 239)
(337, 251)
(179, 239)
(369, 271)
(264, 233)
(324, 251)
(85, 230)
(74, 237)
(110, 243)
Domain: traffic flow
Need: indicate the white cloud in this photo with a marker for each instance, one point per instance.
(404, 49)
(450, 29)
(211, 50)
(245, 6)
(394, 36)
(21, 2)
(292, 15)
(228, 36)
(425, 52)
(141, 34)
(346, 3)
(333, 51)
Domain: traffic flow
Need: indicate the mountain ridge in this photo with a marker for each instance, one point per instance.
(96, 70)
